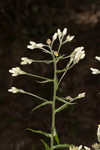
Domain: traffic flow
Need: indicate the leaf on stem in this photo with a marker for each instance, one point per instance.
(45, 145)
(41, 105)
(57, 138)
(61, 146)
(40, 132)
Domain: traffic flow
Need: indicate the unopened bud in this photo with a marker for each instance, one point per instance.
(48, 41)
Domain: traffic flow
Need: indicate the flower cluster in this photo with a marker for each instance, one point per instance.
(15, 90)
(94, 70)
(98, 133)
(34, 45)
(16, 71)
(25, 60)
(80, 147)
(61, 34)
(77, 55)
(79, 96)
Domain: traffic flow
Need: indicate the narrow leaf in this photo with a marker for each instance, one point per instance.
(45, 145)
(61, 146)
(57, 138)
(41, 105)
(40, 132)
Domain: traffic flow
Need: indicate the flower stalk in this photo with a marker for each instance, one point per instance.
(77, 55)
(53, 104)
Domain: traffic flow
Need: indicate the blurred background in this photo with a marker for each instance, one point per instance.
(37, 20)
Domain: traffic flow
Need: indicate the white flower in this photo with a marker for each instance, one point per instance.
(54, 36)
(69, 38)
(97, 58)
(98, 133)
(64, 31)
(16, 71)
(81, 95)
(87, 148)
(15, 90)
(78, 54)
(80, 147)
(34, 45)
(25, 60)
(95, 71)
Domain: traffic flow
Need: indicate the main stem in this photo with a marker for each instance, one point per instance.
(53, 105)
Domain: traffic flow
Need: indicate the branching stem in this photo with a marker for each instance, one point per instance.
(53, 105)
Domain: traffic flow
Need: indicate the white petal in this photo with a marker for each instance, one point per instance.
(69, 38)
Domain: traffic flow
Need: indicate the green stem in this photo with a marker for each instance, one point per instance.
(53, 105)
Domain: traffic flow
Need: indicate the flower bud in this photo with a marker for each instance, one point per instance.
(64, 31)
(56, 53)
(95, 71)
(54, 37)
(97, 58)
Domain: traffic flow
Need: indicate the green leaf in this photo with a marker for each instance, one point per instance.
(57, 138)
(41, 105)
(40, 132)
(61, 146)
(63, 107)
(45, 145)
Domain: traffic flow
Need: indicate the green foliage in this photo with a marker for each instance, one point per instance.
(40, 132)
